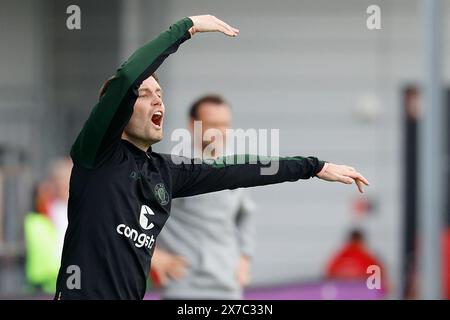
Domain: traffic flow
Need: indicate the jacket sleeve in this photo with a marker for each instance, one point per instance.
(192, 176)
(110, 115)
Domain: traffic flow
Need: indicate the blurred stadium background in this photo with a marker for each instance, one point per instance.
(310, 68)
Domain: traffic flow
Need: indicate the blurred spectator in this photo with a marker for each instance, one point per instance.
(412, 111)
(57, 208)
(42, 255)
(446, 263)
(352, 261)
(45, 229)
(204, 250)
(43, 197)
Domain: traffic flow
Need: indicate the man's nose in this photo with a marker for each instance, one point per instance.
(157, 101)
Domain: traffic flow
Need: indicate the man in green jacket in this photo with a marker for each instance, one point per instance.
(121, 191)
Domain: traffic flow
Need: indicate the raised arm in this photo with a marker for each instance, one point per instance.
(110, 115)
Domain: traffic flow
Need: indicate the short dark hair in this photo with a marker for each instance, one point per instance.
(105, 85)
(208, 98)
(356, 235)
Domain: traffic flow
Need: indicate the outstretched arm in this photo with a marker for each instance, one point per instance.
(191, 177)
(110, 115)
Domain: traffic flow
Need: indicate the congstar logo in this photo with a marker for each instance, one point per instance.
(144, 218)
(140, 239)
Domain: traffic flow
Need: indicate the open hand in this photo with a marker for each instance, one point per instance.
(209, 23)
(344, 174)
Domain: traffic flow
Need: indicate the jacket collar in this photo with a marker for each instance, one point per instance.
(135, 150)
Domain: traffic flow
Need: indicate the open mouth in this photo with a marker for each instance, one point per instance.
(157, 118)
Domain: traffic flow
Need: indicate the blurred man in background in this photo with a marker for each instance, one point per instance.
(204, 251)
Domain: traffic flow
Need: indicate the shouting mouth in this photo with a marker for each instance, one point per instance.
(157, 118)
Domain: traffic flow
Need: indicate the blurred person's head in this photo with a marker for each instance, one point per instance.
(145, 126)
(215, 115)
(44, 194)
(356, 236)
(59, 177)
(412, 103)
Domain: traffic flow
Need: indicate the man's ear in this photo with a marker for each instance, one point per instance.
(105, 87)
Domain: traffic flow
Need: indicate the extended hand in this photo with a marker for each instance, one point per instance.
(344, 174)
(209, 23)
